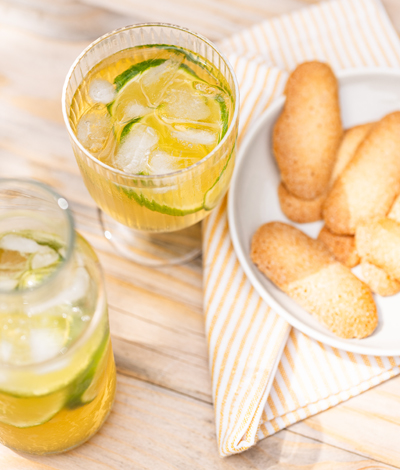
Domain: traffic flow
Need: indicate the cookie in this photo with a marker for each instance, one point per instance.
(343, 247)
(378, 281)
(394, 212)
(378, 242)
(308, 132)
(310, 210)
(370, 182)
(351, 140)
(306, 270)
(300, 210)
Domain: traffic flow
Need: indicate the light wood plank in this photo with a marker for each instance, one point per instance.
(215, 19)
(61, 19)
(368, 424)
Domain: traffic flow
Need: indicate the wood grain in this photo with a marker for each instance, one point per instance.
(163, 416)
(62, 19)
(151, 428)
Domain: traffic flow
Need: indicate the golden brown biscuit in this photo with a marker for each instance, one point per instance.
(378, 281)
(305, 269)
(378, 242)
(343, 247)
(300, 210)
(351, 140)
(310, 210)
(307, 134)
(370, 182)
(395, 210)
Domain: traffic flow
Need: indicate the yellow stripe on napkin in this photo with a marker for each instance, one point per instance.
(265, 375)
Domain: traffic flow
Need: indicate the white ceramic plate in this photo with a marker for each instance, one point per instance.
(365, 95)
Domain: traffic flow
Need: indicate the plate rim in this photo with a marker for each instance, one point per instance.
(339, 343)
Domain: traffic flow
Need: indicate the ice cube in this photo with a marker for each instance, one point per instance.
(5, 350)
(17, 243)
(94, 128)
(155, 80)
(71, 294)
(79, 287)
(133, 153)
(206, 89)
(194, 136)
(135, 110)
(102, 91)
(161, 162)
(184, 106)
(45, 257)
(45, 343)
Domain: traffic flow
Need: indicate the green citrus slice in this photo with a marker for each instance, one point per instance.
(155, 206)
(213, 195)
(86, 386)
(27, 340)
(24, 412)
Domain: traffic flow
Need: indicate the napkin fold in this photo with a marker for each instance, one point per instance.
(265, 374)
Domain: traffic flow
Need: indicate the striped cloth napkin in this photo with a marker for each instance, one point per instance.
(265, 374)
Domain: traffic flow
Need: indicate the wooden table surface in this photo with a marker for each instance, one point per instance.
(163, 416)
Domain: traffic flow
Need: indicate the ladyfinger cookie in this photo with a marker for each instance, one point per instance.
(395, 210)
(307, 134)
(378, 280)
(310, 210)
(378, 242)
(370, 182)
(343, 247)
(351, 140)
(300, 210)
(305, 269)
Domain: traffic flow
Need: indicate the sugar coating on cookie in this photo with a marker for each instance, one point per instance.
(378, 242)
(306, 270)
(370, 182)
(343, 247)
(308, 132)
(378, 280)
(300, 210)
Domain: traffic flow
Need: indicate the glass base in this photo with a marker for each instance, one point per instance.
(152, 248)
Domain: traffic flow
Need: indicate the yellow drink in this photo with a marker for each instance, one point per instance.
(57, 372)
(153, 116)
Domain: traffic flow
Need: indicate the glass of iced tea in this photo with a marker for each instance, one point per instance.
(57, 372)
(152, 114)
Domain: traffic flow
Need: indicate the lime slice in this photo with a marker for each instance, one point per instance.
(32, 278)
(85, 388)
(30, 340)
(224, 116)
(213, 195)
(155, 206)
(24, 412)
(127, 128)
(130, 79)
(122, 79)
(26, 340)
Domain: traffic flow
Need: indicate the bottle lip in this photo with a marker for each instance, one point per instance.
(167, 176)
(62, 204)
